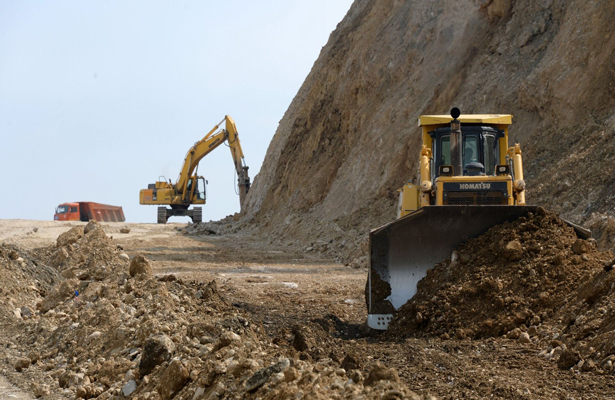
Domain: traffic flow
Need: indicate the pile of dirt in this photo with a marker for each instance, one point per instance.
(107, 328)
(25, 280)
(531, 280)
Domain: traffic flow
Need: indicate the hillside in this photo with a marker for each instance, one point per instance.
(350, 138)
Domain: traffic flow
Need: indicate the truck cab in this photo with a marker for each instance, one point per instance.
(67, 212)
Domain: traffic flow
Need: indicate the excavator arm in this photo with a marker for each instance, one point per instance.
(209, 143)
(243, 180)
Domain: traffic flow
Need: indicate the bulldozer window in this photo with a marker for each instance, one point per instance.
(490, 154)
(445, 150)
(470, 149)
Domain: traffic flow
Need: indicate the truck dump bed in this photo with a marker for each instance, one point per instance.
(100, 212)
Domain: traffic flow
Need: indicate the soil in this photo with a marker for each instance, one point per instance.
(232, 316)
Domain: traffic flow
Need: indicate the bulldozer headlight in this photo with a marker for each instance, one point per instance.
(446, 170)
(502, 169)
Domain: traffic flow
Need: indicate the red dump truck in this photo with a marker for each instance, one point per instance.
(87, 210)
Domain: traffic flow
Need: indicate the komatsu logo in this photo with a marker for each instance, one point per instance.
(475, 186)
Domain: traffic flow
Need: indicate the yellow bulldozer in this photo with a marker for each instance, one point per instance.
(190, 187)
(469, 180)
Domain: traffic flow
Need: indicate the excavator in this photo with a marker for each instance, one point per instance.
(469, 180)
(190, 187)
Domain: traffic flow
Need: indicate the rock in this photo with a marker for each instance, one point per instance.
(70, 237)
(92, 225)
(81, 392)
(581, 246)
(41, 391)
(173, 379)
(125, 230)
(379, 372)
(350, 362)
(68, 273)
(200, 391)
(156, 350)
(514, 334)
(21, 364)
(64, 291)
(129, 388)
(301, 341)
(35, 229)
(140, 265)
(291, 374)
(226, 339)
(60, 257)
(568, 359)
(524, 338)
(588, 366)
(129, 298)
(93, 336)
(17, 313)
(356, 376)
(125, 256)
(513, 250)
(262, 376)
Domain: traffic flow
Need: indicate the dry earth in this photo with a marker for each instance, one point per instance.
(290, 305)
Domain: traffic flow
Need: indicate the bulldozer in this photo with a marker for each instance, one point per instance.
(469, 180)
(190, 188)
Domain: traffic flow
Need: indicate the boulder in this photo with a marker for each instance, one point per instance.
(140, 265)
(156, 350)
(92, 225)
(173, 379)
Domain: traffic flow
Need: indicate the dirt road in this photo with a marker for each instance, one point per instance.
(312, 308)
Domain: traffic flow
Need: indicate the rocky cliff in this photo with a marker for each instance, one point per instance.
(350, 138)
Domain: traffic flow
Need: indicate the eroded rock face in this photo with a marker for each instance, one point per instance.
(352, 126)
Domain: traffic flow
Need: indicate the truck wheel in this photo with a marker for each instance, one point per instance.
(197, 215)
(162, 215)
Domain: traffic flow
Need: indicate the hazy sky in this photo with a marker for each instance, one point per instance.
(100, 98)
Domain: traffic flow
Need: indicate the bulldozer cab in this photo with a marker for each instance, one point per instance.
(480, 149)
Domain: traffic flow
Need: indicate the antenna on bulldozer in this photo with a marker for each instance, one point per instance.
(456, 143)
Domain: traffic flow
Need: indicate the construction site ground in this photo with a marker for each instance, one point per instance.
(300, 295)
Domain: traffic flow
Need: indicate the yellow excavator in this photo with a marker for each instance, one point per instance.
(469, 180)
(190, 187)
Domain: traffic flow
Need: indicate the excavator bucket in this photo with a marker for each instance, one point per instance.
(402, 251)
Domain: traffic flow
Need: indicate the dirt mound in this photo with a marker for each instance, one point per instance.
(508, 281)
(101, 333)
(25, 280)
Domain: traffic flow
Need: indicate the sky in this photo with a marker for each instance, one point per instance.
(100, 98)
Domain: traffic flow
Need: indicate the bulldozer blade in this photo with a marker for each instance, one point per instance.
(402, 251)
